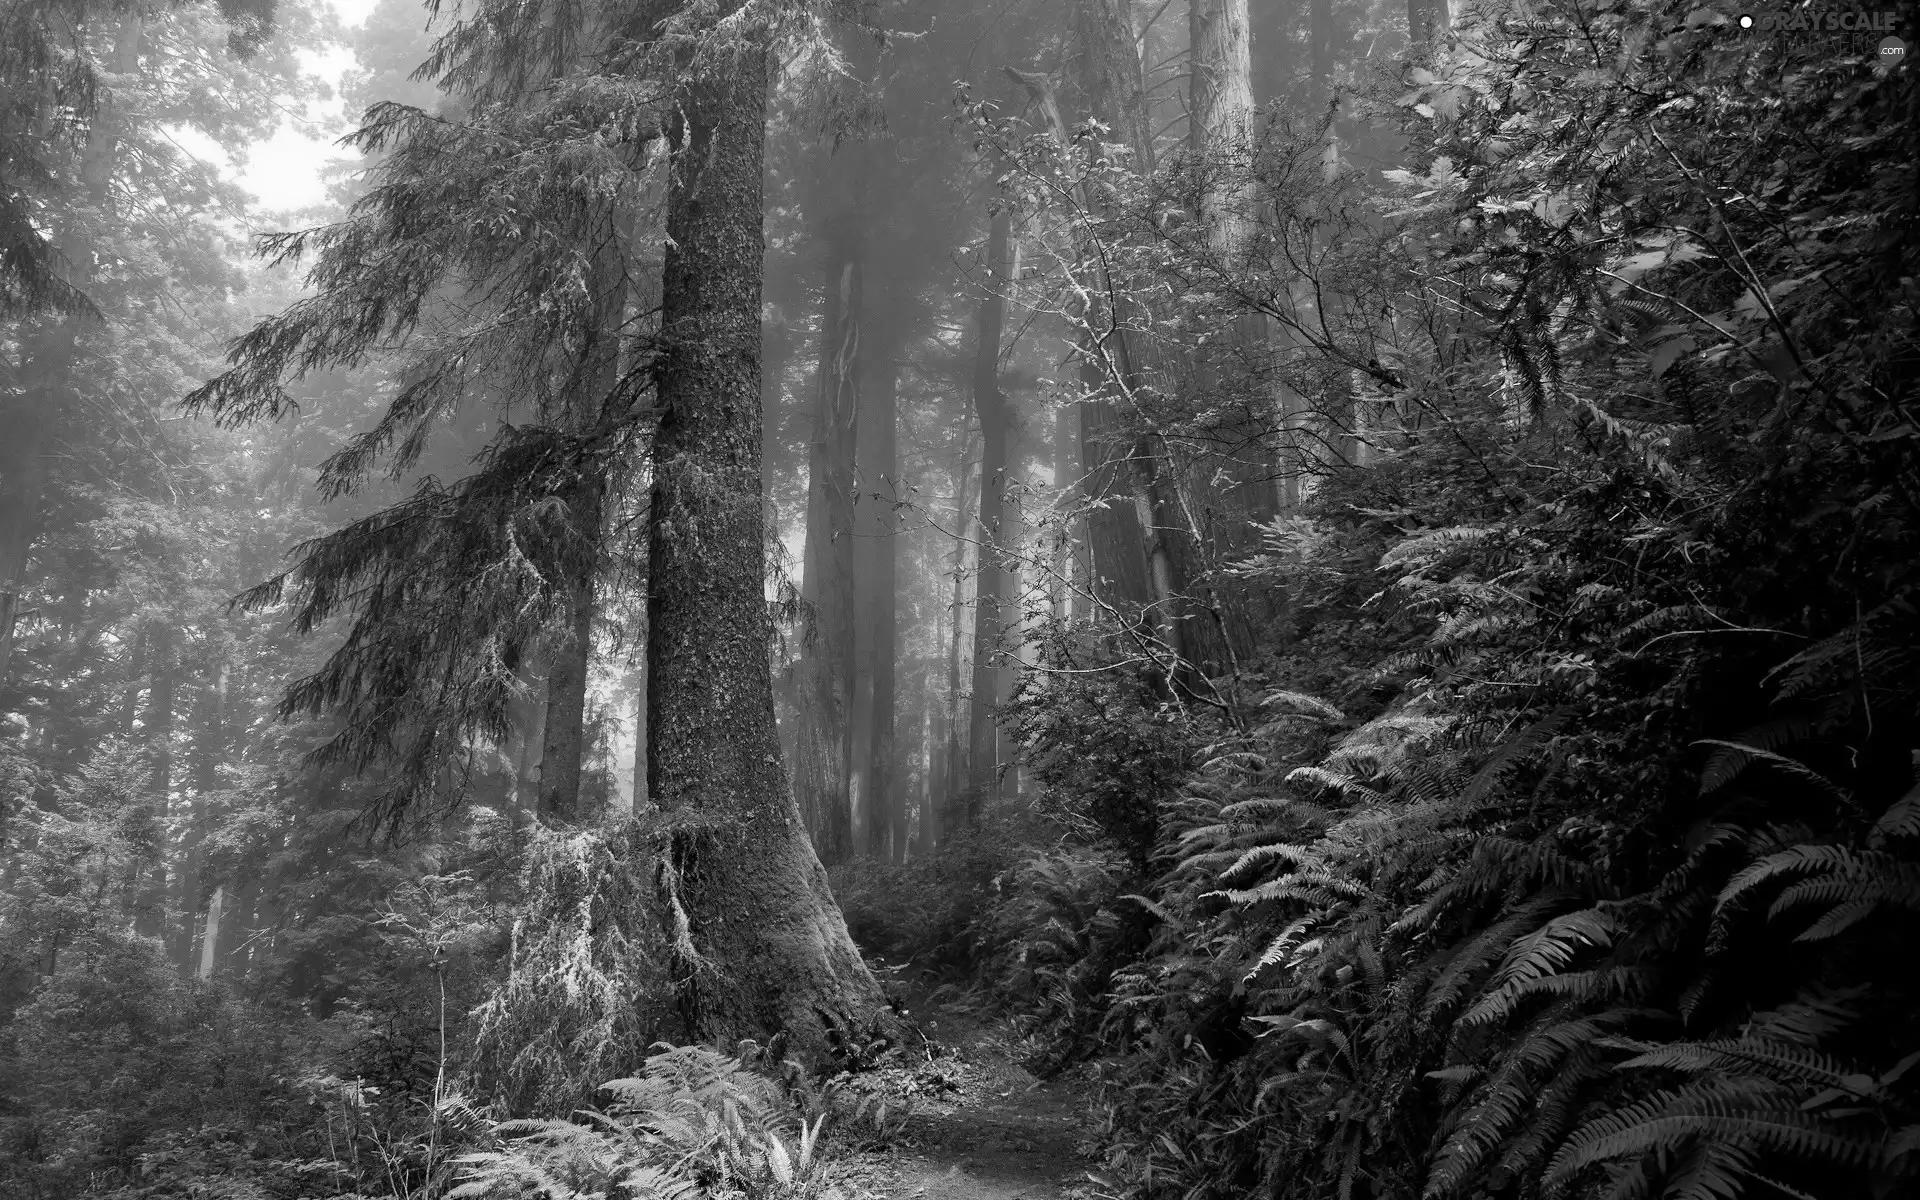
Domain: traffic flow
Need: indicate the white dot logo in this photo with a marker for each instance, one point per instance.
(1746, 20)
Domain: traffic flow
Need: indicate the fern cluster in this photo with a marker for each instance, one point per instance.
(1573, 850)
(695, 1125)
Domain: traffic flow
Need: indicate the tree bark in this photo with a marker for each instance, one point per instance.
(953, 777)
(210, 745)
(875, 579)
(823, 772)
(151, 917)
(563, 734)
(770, 950)
(1111, 76)
(990, 409)
(210, 935)
(1222, 145)
(1222, 75)
(528, 714)
(597, 361)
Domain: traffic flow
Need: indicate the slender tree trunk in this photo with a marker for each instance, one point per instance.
(1128, 464)
(639, 799)
(924, 801)
(875, 569)
(990, 409)
(953, 778)
(596, 370)
(155, 897)
(209, 752)
(1320, 35)
(1115, 540)
(210, 936)
(527, 712)
(1271, 25)
(563, 737)
(773, 950)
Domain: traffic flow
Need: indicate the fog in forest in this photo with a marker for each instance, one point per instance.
(1115, 599)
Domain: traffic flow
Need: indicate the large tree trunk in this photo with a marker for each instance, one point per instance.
(822, 775)
(773, 951)
(1222, 80)
(1222, 144)
(1111, 77)
(990, 409)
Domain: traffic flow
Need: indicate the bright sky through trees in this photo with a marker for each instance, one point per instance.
(285, 171)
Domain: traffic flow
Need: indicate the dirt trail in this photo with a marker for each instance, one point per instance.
(982, 1126)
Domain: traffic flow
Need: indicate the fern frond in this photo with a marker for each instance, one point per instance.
(1303, 704)
(1511, 754)
(1840, 860)
(1735, 757)
(1284, 945)
(1546, 951)
(1334, 780)
(1780, 1062)
(1425, 548)
(1900, 821)
(1298, 856)
(1479, 953)
(1666, 1124)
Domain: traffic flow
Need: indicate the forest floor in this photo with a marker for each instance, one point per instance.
(981, 1126)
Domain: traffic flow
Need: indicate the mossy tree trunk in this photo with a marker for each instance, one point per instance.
(765, 950)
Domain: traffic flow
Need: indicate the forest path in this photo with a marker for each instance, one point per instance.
(982, 1127)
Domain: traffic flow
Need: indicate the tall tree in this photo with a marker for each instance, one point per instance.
(876, 552)
(769, 948)
(989, 594)
(822, 772)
